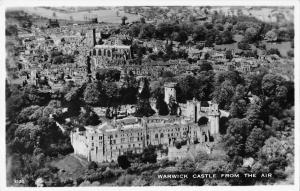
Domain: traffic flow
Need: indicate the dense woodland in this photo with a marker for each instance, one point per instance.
(260, 126)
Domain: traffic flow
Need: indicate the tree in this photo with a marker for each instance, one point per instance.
(142, 20)
(205, 66)
(228, 54)
(149, 155)
(269, 84)
(238, 106)
(273, 51)
(134, 30)
(199, 33)
(123, 162)
(255, 141)
(223, 94)
(11, 30)
(290, 53)
(124, 18)
(89, 117)
(73, 101)
(111, 93)
(147, 31)
(211, 37)
(251, 35)
(271, 36)
(237, 133)
(202, 121)
(244, 45)
(274, 154)
(164, 30)
(24, 115)
(180, 36)
(226, 37)
(161, 105)
(92, 94)
(143, 106)
(185, 89)
(173, 106)
(92, 165)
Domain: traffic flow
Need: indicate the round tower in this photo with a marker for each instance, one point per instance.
(169, 91)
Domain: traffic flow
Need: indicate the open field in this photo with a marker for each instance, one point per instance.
(283, 47)
(108, 15)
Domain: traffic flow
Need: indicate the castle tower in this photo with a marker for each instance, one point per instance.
(91, 37)
(214, 116)
(169, 91)
(33, 77)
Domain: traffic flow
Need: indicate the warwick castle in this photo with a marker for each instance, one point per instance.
(116, 137)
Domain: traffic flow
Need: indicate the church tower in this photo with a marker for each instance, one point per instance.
(91, 37)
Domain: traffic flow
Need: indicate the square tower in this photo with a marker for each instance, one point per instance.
(91, 37)
(169, 91)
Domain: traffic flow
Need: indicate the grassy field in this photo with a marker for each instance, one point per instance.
(283, 47)
(107, 15)
(72, 165)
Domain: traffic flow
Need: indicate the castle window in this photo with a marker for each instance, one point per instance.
(172, 134)
(138, 139)
(131, 139)
(122, 140)
(128, 146)
(100, 137)
(133, 145)
(92, 144)
(161, 135)
(156, 136)
(121, 146)
(114, 141)
(92, 138)
(116, 136)
(94, 52)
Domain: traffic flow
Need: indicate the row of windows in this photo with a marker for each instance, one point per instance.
(169, 135)
(107, 52)
(122, 135)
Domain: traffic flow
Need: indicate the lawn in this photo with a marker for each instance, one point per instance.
(73, 166)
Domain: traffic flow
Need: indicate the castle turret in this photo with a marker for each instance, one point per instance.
(169, 91)
(214, 116)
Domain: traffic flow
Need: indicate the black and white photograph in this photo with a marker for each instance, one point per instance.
(149, 96)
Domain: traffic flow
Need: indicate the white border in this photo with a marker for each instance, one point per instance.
(28, 3)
